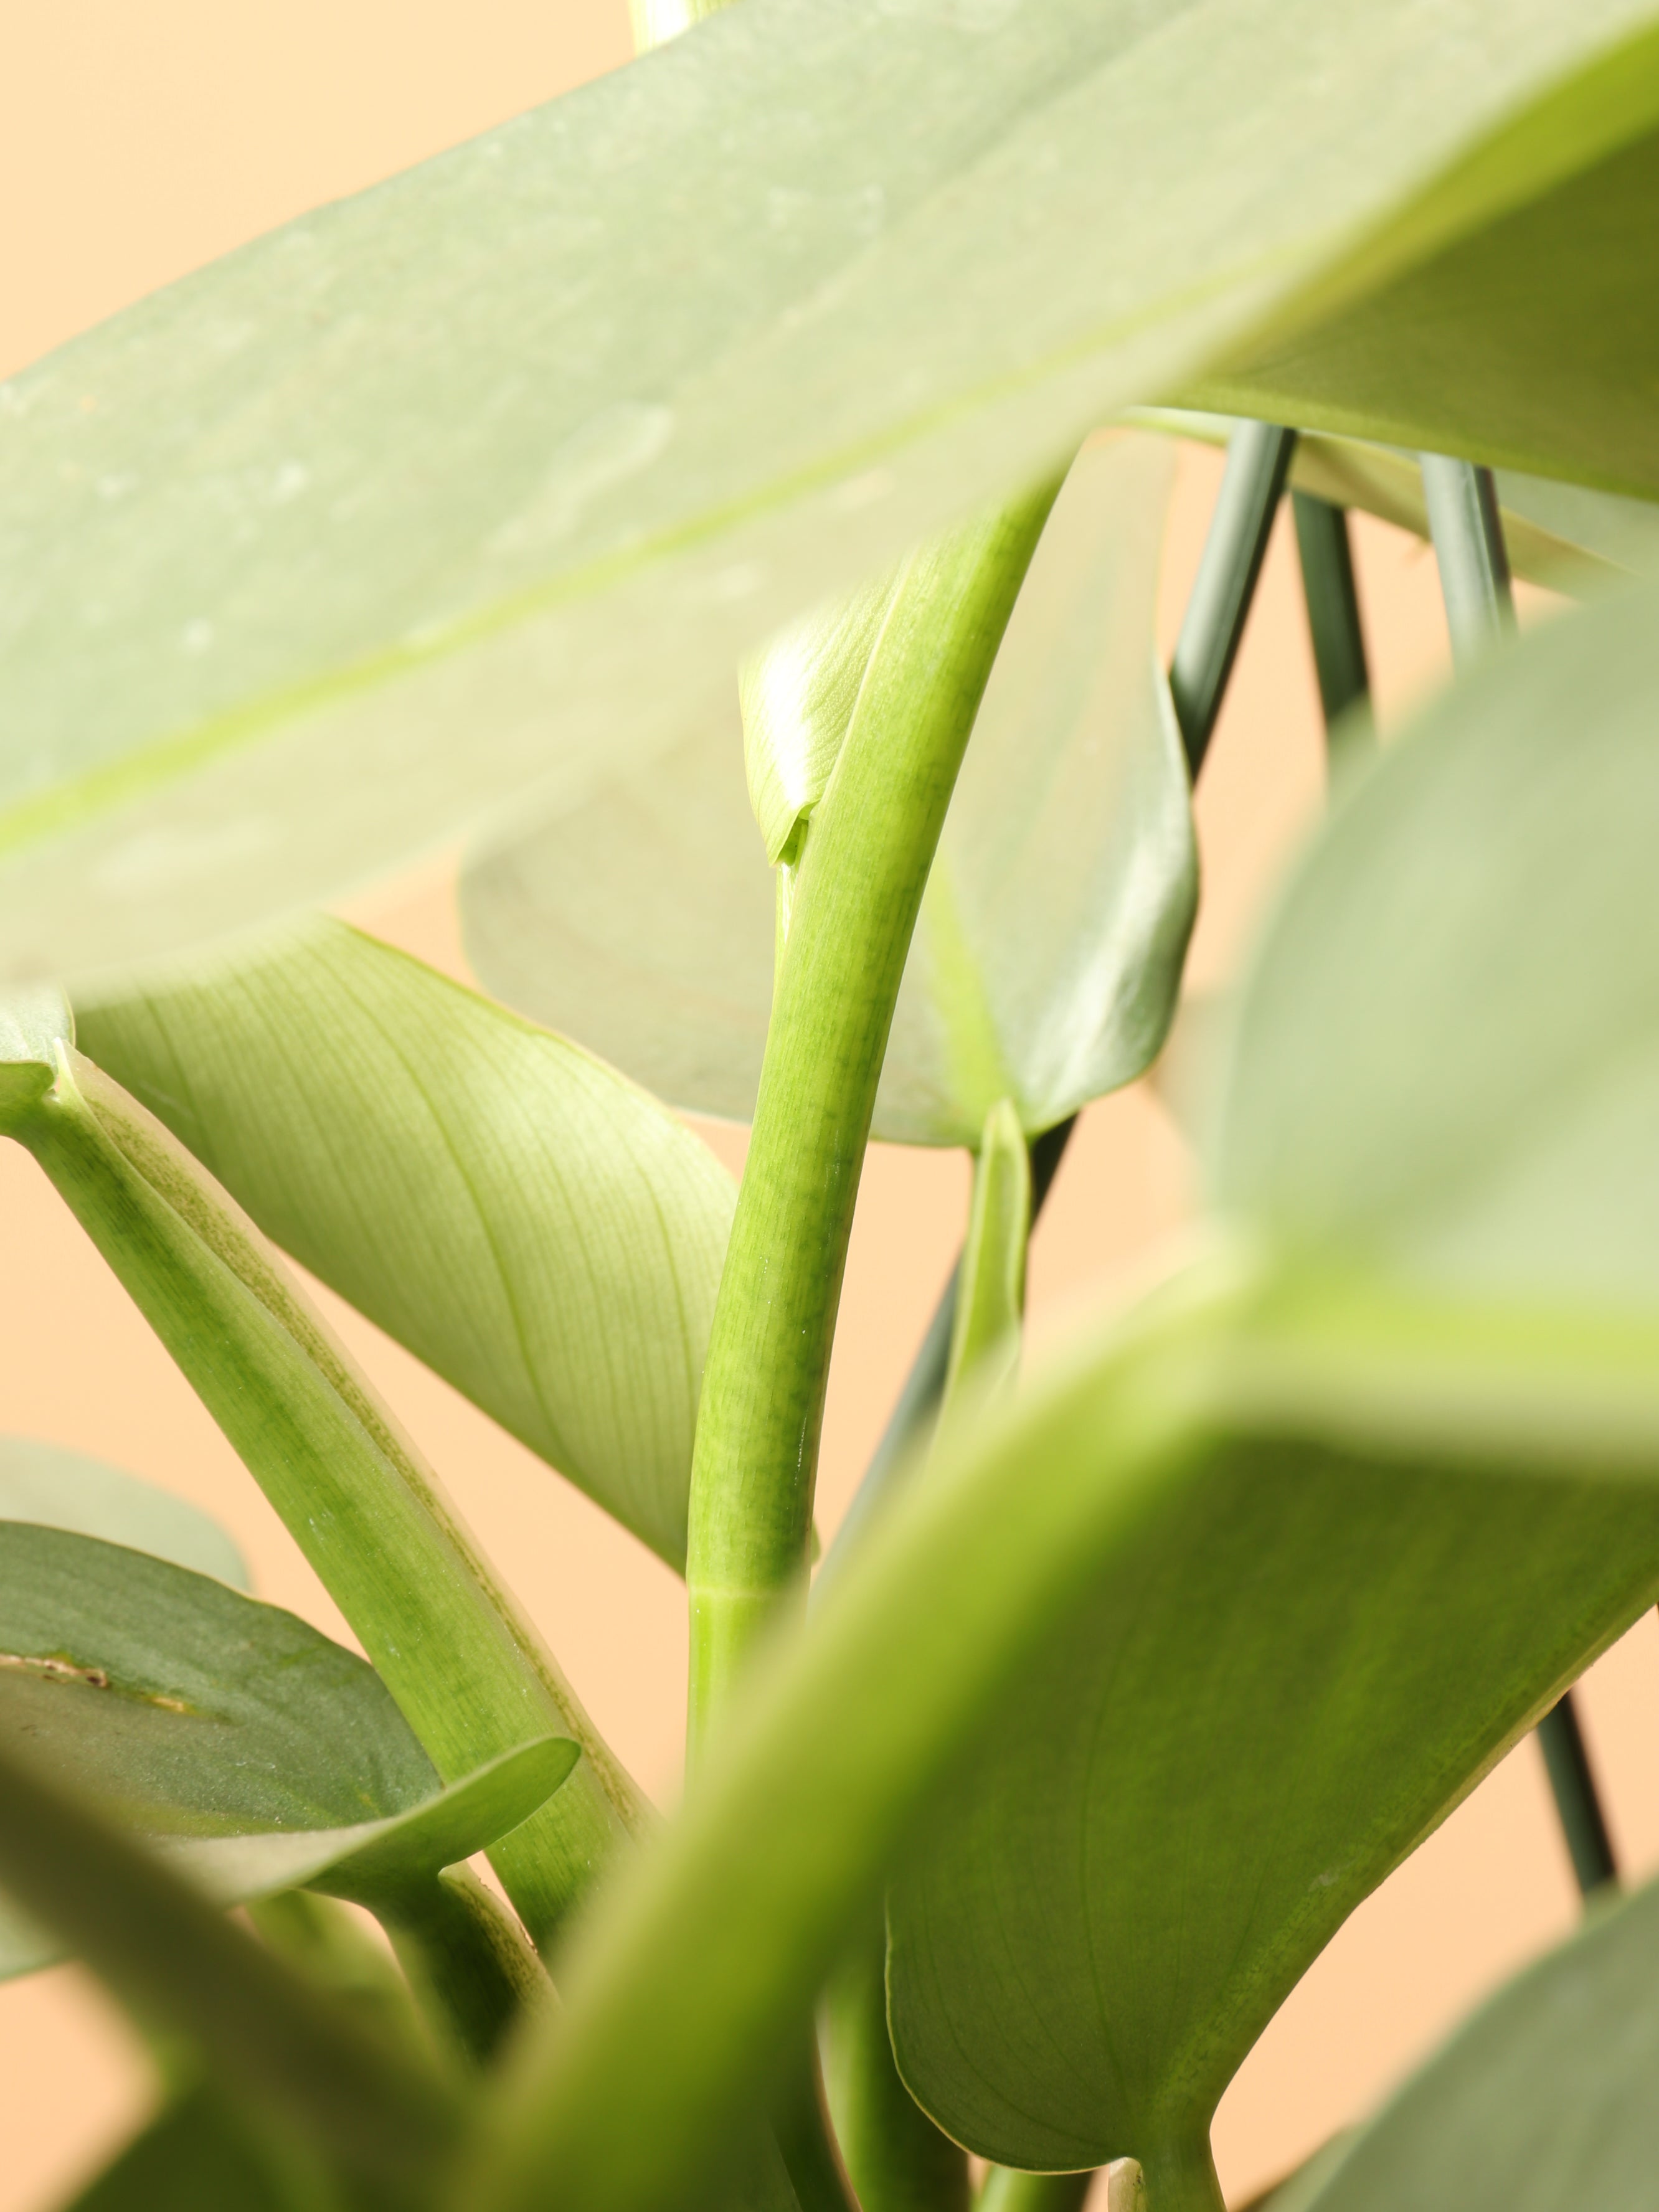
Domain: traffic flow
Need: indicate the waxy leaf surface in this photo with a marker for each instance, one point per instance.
(255, 1752)
(534, 1228)
(1048, 950)
(479, 485)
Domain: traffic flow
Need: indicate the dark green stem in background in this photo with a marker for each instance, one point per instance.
(1573, 1787)
(1468, 546)
(897, 2158)
(465, 1958)
(1474, 583)
(855, 903)
(1333, 602)
(1258, 462)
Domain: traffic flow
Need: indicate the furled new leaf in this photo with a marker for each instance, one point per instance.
(1049, 946)
(1544, 2098)
(797, 694)
(403, 512)
(266, 1756)
(62, 1489)
(529, 1225)
(352, 1488)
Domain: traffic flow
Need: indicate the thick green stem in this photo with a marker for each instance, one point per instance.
(898, 2160)
(1005, 2190)
(1181, 2177)
(465, 1959)
(854, 907)
(469, 1671)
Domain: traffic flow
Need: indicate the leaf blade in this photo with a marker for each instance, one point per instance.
(531, 1226)
(926, 209)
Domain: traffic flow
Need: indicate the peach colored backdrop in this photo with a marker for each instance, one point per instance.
(135, 143)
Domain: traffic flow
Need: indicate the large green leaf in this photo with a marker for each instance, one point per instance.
(1222, 1621)
(849, 1750)
(186, 1706)
(68, 1490)
(1444, 1081)
(1302, 1664)
(1513, 346)
(266, 1756)
(1544, 2099)
(480, 482)
(531, 1226)
(469, 1671)
(1048, 950)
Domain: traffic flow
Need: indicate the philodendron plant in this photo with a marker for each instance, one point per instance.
(734, 495)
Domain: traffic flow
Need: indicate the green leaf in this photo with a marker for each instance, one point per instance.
(1544, 2098)
(183, 1970)
(1438, 1118)
(1480, 907)
(257, 1754)
(546, 1237)
(1066, 1514)
(467, 1669)
(1301, 1666)
(1513, 343)
(296, 591)
(61, 1489)
(1056, 919)
(186, 1706)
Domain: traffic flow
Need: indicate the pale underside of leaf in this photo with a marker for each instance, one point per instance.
(534, 1228)
(399, 514)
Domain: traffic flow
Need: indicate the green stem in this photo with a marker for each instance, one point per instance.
(465, 1959)
(1005, 2190)
(853, 909)
(470, 1675)
(1332, 598)
(1181, 2177)
(898, 2160)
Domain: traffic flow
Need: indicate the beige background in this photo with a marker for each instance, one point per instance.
(135, 143)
